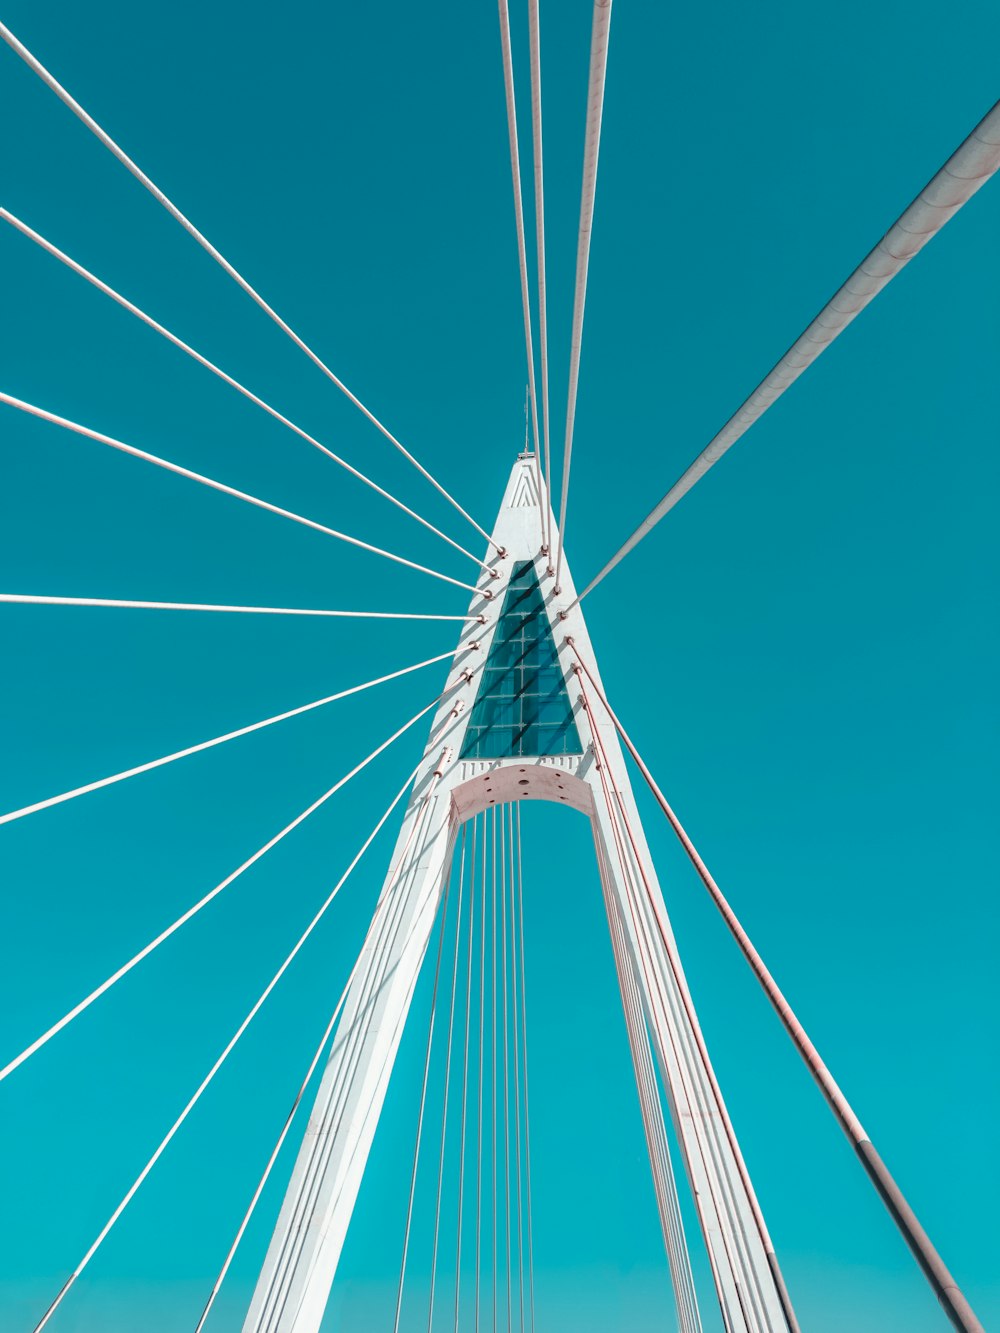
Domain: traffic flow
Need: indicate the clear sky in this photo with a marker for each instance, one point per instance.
(806, 650)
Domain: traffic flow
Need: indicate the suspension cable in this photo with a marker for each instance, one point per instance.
(591, 149)
(524, 1056)
(482, 1051)
(975, 161)
(226, 1051)
(534, 44)
(502, 815)
(940, 1279)
(34, 64)
(193, 911)
(244, 1223)
(517, 1070)
(494, 1083)
(11, 815)
(447, 1081)
(423, 1102)
(515, 171)
(465, 1069)
(35, 599)
(146, 457)
(77, 268)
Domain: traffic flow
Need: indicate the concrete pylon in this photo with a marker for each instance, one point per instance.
(451, 786)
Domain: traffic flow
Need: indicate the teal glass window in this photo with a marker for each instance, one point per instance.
(522, 708)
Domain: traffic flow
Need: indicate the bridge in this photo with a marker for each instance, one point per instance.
(519, 718)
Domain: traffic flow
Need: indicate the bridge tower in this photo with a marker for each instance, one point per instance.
(519, 722)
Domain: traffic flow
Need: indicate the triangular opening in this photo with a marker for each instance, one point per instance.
(522, 708)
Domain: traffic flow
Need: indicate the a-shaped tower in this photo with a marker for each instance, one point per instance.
(521, 720)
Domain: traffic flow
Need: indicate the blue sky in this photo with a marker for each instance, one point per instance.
(806, 650)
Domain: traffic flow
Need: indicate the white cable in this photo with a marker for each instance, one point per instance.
(34, 64)
(447, 1085)
(420, 1117)
(493, 1080)
(975, 161)
(517, 1070)
(35, 599)
(312, 1064)
(109, 440)
(506, 1056)
(465, 1072)
(175, 925)
(591, 150)
(228, 379)
(11, 815)
(482, 1051)
(524, 1054)
(515, 171)
(534, 43)
(227, 1049)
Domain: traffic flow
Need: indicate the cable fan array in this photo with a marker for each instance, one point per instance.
(477, 1036)
(478, 1006)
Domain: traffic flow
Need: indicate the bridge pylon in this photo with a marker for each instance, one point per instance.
(516, 723)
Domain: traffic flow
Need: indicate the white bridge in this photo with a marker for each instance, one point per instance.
(522, 716)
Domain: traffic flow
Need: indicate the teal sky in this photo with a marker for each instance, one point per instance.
(806, 650)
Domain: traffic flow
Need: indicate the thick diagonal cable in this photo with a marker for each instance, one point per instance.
(524, 1056)
(966, 170)
(327, 1032)
(203, 902)
(465, 1070)
(220, 1061)
(39, 599)
(423, 1104)
(176, 468)
(600, 32)
(148, 320)
(941, 1281)
(447, 1081)
(535, 56)
(35, 64)
(147, 767)
(515, 171)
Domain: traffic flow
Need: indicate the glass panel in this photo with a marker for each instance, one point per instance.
(522, 707)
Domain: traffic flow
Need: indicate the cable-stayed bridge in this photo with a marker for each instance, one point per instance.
(522, 717)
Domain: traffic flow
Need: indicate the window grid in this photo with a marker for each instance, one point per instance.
(522, 708)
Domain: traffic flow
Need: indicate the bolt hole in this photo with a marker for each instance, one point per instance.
(522, 782)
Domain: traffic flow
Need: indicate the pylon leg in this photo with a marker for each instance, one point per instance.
(743, 1278)
(664, 1184)
(295, 1281)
